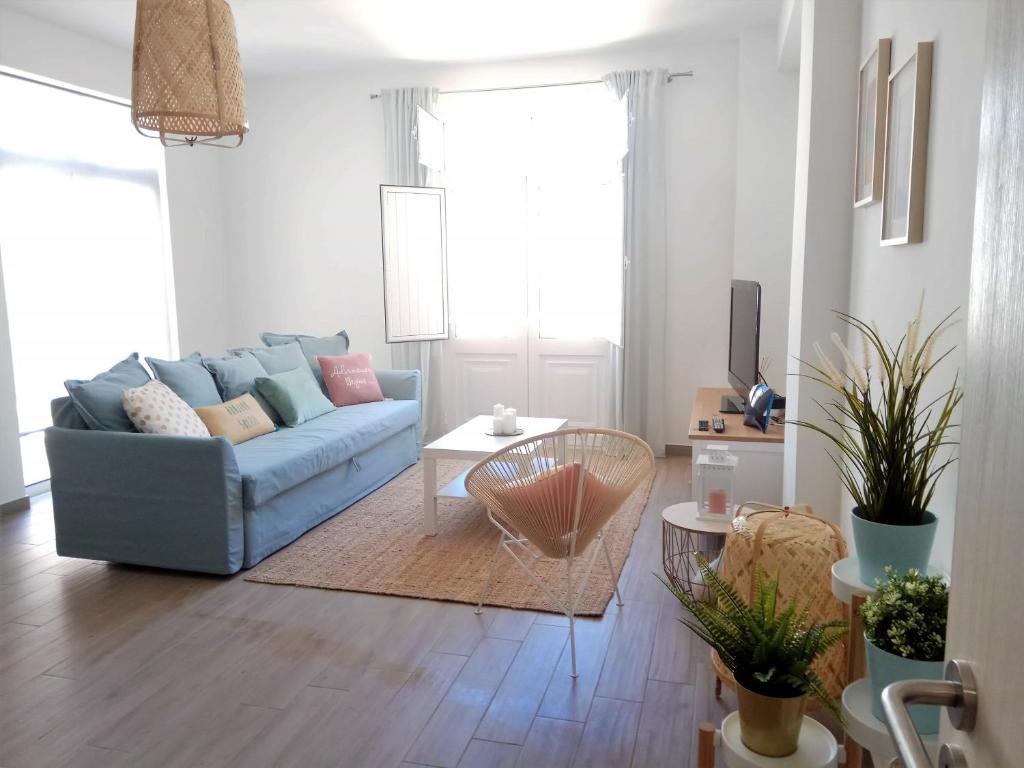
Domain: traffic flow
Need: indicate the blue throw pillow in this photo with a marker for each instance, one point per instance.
(295, 395)
(311, 347)
(188, 379)
(277, 359)
(98, 400)
(236, 376)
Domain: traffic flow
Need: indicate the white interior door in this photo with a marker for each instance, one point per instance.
(986, 622)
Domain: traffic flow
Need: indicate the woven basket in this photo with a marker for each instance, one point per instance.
(800, 549)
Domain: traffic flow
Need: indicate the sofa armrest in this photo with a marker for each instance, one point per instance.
(159, 500)
(401, 385)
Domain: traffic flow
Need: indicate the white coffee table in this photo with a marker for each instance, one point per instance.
(470, 441)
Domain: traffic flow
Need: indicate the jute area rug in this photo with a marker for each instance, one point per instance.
(376, 546)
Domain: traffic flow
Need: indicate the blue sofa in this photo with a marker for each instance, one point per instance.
(203, 504)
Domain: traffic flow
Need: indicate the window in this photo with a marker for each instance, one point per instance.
(534, 180)
(83, 244)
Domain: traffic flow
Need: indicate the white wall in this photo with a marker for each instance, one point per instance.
(194, 202)
(304, 232)
(886, 283)
(765, 167)
(12, 486)
(204, 291)
(822, 222)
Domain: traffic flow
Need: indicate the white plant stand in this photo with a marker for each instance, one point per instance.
(817, 747)
(870, 732)
(849, 589)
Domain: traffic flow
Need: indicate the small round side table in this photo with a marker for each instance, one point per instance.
(817, 747)
(683, 537)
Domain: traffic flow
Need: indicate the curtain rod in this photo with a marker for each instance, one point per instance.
(671, 77)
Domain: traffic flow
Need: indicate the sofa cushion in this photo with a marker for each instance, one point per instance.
(350, 379)
(276, 462)
(277, 359)
(236, 376)
(238, 420)
(311, 347)
(156, 410)
(294, 395)
(99, 399)
(187, 378)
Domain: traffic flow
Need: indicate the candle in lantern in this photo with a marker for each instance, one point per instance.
(716, 501)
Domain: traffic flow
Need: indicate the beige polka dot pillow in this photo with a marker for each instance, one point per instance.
(155, 409)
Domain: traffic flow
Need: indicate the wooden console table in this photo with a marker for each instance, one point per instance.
(759, 475)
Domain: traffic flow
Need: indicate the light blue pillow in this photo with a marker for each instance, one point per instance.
(295, 395)
(98, 400)
(188, 379)
(236, 376)
(311, 347)
(277, 359)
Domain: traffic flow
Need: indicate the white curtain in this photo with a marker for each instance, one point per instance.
(403, 167)
(644, 234)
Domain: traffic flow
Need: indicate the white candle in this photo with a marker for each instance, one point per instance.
(498, 411)
(509, 421)
(499, 425)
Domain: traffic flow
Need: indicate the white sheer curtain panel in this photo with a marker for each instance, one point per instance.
(403, 168)
(644, 236)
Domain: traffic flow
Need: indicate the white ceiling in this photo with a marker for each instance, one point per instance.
(286, 35)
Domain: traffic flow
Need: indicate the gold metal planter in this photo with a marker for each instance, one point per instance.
(770, 726)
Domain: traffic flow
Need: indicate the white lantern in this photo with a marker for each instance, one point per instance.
(716, 468)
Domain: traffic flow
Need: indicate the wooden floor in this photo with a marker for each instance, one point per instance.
(105, 665)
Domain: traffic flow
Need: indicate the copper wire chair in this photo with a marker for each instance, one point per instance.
(557, 491)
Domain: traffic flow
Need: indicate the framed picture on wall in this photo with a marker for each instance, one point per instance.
(872, 101)
(906, 149)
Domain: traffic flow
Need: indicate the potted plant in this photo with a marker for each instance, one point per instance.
(887, 441)
(905, 636)
(769, 652)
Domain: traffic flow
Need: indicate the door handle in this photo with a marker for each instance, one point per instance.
(958, 693)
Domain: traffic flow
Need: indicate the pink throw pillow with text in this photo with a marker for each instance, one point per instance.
(350, 379)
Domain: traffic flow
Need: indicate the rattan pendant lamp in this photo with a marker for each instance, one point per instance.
(187, 85)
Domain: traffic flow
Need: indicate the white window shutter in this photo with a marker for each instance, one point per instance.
(414, 241)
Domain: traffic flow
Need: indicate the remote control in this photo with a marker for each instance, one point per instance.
(718, 424)
(702, 425)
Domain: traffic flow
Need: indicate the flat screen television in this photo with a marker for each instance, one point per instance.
(744, 340)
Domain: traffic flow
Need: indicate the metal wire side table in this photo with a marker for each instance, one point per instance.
(683, 537)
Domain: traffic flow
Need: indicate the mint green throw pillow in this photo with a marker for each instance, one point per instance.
(295, 395)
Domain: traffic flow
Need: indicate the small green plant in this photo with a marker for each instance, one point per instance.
(907, 615)
(885, 439)
(768, 652)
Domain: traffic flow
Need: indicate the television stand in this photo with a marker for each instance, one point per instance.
(759, 472)
(732, 404)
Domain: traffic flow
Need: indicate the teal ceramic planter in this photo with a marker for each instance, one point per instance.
(885, 668)
(901, 546)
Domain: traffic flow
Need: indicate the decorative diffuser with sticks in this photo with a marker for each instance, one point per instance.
(187, 85)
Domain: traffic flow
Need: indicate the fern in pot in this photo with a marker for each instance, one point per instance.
(770, 650)
(888, 443)
(905, 637)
